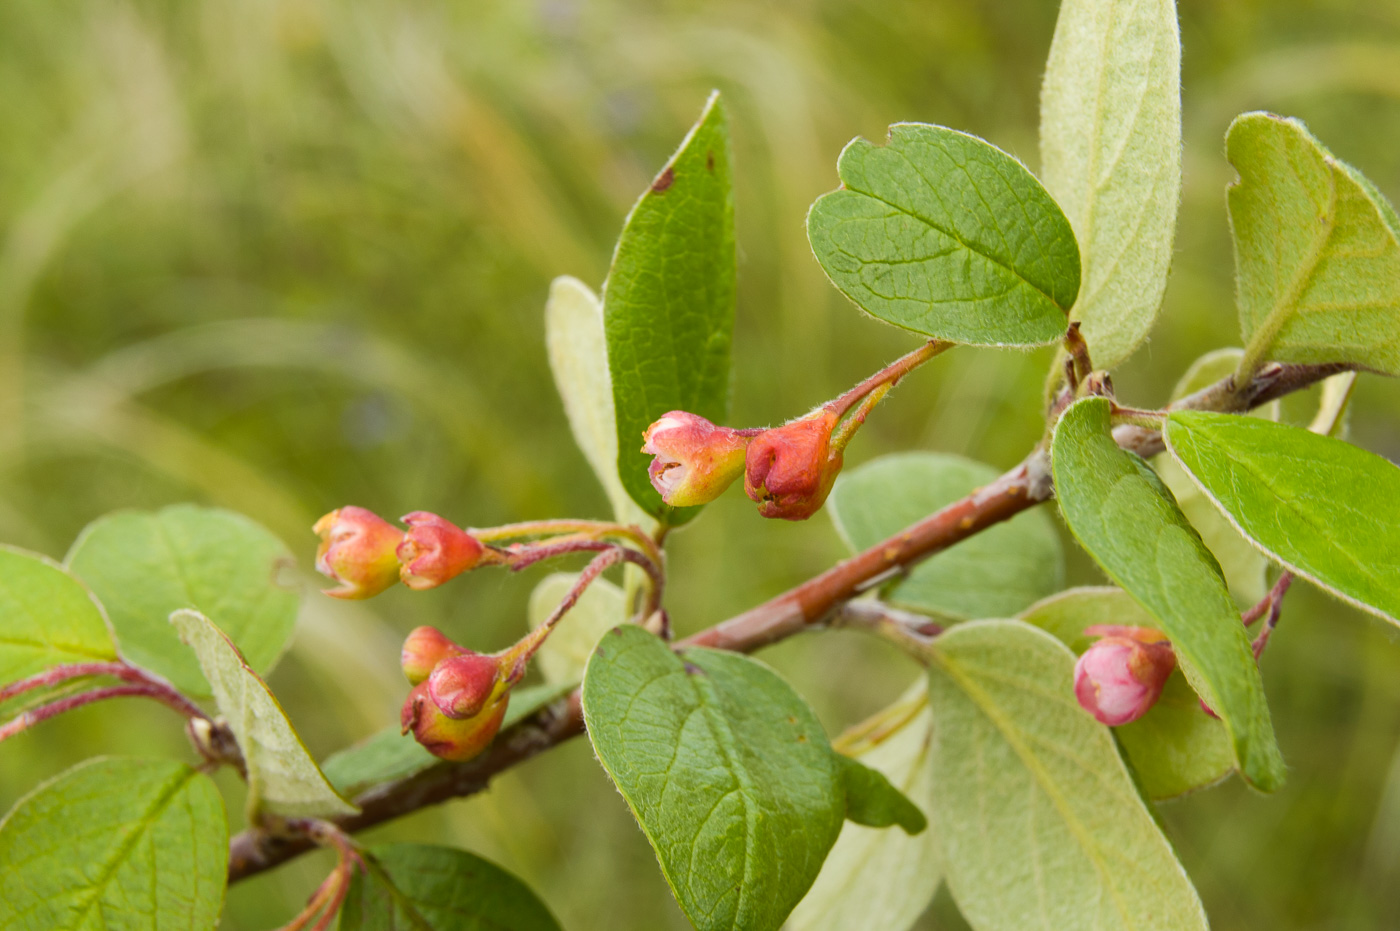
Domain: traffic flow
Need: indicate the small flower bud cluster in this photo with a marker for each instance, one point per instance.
(366, 554)
(788, 470)
(459, 696)
(1121, 676)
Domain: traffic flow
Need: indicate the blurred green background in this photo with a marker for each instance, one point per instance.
(283, 255)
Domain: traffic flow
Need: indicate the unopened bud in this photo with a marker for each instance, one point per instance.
(444, 737)
(695, 461)
(435, 550)
(789, 470)
(358, 551)
(462, 685)
(423, 649)
(1121, 676)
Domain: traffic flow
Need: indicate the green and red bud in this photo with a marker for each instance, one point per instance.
(448, 738)
(789, 470)
(359, 550)
(423, 649)
(435, 550)
(1121, 676)
(695, 460)
(462, 685)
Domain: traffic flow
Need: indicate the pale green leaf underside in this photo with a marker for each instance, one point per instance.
(1317, 251)
(282, 777)
(47, 617)
(877, 877)
(1176, 747)
(600, 609)
(1040, 823)
(115, 844)
(143, 565)
(993, 574)
(1125, 517)
(944, 234)
(1328, 510)
(727, 770)
(1110, 148)
(668, 303)
(390, 755)
(417, 887)
(578, 357)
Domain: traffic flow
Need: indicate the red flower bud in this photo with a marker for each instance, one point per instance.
(789, 470)
(695, 460)
(435, 550)
(358, 551)
(462, 685)
(1121, 676)
(423, 649)
(444, 737)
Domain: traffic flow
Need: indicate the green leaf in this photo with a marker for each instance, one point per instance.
(578, 356)
(876, 878)
(725, 767)
(390, 755)
(1245, 568)
(1317, 251)
(599, 610)
(144, 564)
(873, 801)
(668, 304)
(49, 618)
(282, 777)
(944, 234)
(1176, 747)
(115, 843)
(1324, 508)
(417, 887)
(993, 574)
(1110, 150)
(1040, 823)
(1126, 518)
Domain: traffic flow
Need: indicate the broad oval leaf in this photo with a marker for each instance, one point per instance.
(49, 617)
(116, 843)
(727, 770)
(1317, 251)
(944, 234)
(1126, 518)
(578, 357)
(882, 878)
(1040, 823)
(419, 887)
(1176, 747)
(1110, 150)
(145, 564)
(391, 755)
(601, 608)
(668, 303)
(282, 777)
(1326, 509)
(994, 574)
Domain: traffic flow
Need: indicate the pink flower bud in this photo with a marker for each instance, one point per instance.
(423, 649)
(1121, 676)
(790, 469)
(450, 739)
(695, 460)
(435, 550)
(358, 551)
(462, 685)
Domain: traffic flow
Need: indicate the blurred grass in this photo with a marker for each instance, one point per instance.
(282, 255)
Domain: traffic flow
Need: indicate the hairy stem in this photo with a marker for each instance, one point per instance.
(802, 608)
